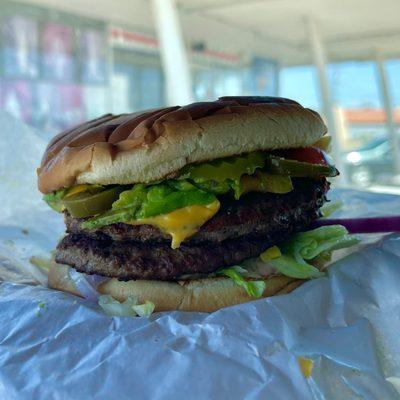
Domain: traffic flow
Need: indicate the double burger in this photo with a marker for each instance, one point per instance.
(191, 208)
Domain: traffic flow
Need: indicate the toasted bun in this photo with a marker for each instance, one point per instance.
(150, 145)
(203, 295)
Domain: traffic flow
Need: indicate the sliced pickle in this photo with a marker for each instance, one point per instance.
(264, 183)
(86, 204)
(298, 169)
(225, 168)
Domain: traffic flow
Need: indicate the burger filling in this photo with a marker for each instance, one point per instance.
(241, 229)
(181, 205)
(205, 220)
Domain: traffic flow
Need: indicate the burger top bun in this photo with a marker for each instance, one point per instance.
(150, 145)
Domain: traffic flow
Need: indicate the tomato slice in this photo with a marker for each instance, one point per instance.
(312, 155)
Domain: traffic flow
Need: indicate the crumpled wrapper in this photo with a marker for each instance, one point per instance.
(54, 345)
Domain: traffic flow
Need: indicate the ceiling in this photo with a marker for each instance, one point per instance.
(350, 29)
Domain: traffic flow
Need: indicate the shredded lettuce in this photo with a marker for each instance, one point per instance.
(329, 208)
(310, 244)
(132, 198)
(316, 244)
(54, 199)
(164, 198)
(144, 201)
(144, 310)
(129, 308)
(288, 266)
(253, 288)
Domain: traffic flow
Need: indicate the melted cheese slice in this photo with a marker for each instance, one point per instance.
(181, 223)
(76, 189)
(306, 366)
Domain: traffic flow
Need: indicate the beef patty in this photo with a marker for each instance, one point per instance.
(241, 229)
(251, 215)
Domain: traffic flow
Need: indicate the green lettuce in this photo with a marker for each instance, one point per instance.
(329, 208)
(144, 201)
(308, 245)
(253, 288)
(316, 244)
(144, 310)
(288, 266)
(54, 199)
(132, 198)
(165, 198)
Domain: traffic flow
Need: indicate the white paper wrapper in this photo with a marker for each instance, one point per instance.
(55, 345)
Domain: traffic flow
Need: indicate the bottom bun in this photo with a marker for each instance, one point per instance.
(203, 295)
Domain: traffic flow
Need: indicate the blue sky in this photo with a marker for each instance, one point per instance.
(353, 84)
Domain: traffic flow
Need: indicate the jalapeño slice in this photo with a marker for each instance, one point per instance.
(298, 169)
(86, 204)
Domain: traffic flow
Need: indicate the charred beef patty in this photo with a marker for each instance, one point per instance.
(241, 229)
(252, 215)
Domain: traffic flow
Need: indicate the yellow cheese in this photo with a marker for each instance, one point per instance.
(270, 254)
(181, 223)
(306, 366)
(76, 189)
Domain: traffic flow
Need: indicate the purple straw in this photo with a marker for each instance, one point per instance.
(363, 225)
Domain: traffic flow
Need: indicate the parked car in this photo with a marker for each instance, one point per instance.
(370, 163)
